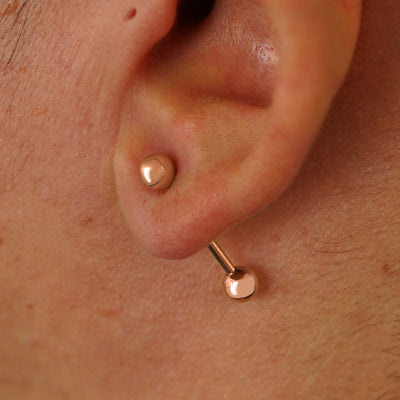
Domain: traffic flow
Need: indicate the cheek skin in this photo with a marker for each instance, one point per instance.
(67, 107)
(9, 7)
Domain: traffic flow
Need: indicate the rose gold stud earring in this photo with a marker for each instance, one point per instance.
(240, 283)
(157, 172)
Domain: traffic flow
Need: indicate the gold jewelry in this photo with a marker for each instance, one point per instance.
(157, 172)
(240, 283)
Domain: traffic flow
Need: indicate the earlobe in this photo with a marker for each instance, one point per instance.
(235, 102)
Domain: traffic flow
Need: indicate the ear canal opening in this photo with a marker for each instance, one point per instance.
(193, 12)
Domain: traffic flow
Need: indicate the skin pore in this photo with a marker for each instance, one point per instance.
(87, 313)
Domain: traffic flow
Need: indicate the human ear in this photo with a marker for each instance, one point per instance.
(235, 100)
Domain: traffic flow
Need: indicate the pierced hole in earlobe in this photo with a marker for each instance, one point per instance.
(193, 12)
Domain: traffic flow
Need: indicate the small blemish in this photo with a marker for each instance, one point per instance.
(1, 241)
(391, 269)
(130, 14)
(9, 7)
(111, 312)
(385, 268)
(276, 238)
(86, 221)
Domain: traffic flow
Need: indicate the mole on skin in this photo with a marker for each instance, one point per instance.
(9, 7)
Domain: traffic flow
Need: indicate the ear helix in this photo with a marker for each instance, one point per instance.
(157, 172)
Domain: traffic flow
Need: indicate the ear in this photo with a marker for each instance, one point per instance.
(235, 100)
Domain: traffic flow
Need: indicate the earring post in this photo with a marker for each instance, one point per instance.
(222, 258)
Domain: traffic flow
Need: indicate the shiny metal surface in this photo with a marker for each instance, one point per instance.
(240, 283)
(221, 257)
(157, 172)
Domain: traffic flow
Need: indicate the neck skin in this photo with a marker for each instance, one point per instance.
(84, 311)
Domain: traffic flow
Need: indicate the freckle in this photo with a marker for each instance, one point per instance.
(10, 7)
(1, 241)
(385, 268)
(276, 239)
(39, 111)
(56, 327)
(86, 221)
(29, 306)
(130, 14)
(111, 312)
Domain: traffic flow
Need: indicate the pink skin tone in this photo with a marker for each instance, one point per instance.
(87, 308)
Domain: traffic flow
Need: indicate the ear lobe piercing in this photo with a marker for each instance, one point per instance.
(157, 172)
(240, 283)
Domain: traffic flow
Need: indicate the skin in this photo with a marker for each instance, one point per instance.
(87, 312)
